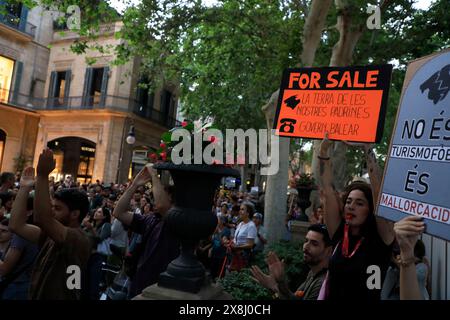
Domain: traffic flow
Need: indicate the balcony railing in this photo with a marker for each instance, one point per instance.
(14, 22)
(113, 103)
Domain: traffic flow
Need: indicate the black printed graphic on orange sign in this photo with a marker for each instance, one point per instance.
(292, 102)
(287, 125)
(438, 85)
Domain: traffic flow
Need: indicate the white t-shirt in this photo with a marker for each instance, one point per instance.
(245, 231)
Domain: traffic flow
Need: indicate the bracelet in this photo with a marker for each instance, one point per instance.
(323, 158)
(407, 262)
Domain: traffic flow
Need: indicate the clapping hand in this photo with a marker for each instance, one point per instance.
(276, 267)
(267, 281)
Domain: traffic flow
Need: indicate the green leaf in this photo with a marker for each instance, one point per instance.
(166, 137)
(189, 127)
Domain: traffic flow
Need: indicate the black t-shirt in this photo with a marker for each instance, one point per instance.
(348, 276)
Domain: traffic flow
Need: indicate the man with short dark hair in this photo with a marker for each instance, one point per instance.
(7, 181)
(6, 201)
(158, 247)
(65, 248)
(317, 250)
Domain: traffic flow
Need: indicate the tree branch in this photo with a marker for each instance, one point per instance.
(312, 31)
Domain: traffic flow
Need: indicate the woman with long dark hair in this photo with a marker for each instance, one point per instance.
(99, 228)
(362, 241)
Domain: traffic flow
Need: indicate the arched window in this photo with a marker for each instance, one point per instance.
(2, 146)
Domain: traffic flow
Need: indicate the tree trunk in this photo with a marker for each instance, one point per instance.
(275, 196)
(244, 174)
(257, 181)
(276, 188)
(349, 34)
(312, 31)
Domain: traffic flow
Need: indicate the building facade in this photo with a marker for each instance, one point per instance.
(83, 111)
(24, 57)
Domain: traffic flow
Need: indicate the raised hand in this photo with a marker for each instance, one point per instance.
(27, 178)
(144, 176)
(325, 145)
(87, 223)
(276, 267)
(407, 233)
(267, 281)
(46, 163)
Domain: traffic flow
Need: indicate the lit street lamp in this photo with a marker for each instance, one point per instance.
(131, 138)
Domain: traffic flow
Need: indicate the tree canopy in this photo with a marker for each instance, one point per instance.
(228, 58)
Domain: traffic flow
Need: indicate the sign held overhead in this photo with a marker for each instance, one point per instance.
(417, 174)
(347, 102)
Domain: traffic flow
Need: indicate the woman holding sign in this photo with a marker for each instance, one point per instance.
(362, 241)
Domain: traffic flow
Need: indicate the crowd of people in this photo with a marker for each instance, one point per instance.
(48, 226)
(352, 241)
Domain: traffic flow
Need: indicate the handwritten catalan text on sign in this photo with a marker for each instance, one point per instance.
(348, 103)
(417, 174)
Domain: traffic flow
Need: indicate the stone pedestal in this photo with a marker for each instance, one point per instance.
(299, 229)
(209, 291)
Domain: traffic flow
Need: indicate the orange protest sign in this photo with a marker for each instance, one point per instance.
(349, 103)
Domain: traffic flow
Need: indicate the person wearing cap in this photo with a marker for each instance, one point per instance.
(317, 250)
(260, 239)
(223, 210)
(362, 239)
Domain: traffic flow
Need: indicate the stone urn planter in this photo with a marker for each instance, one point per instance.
(305, 184)
(191, 219)
(304, 193)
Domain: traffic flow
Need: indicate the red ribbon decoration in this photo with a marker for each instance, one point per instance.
(346, 241)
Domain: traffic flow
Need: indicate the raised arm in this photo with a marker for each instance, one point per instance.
(18, 223)
(375, 173)
(385, 227)
(407, 232)
(42, 202)
(10, 262)
(331, 208)
(162, 199)
(121, 210)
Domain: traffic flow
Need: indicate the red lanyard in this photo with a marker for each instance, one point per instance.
(345, 244)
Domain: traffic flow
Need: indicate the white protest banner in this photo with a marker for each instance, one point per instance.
(417, 174)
